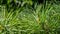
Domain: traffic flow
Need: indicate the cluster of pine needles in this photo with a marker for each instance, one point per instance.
(29, 18)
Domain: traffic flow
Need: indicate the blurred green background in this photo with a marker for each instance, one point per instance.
(29, 17)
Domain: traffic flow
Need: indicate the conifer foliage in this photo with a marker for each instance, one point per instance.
(29, 17)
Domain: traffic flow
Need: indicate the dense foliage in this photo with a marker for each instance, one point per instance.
(29, 17)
